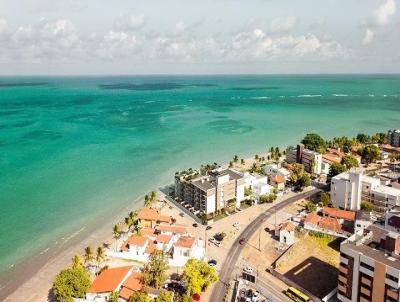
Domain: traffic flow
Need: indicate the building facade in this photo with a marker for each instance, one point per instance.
(394, 138)
(369, 268)
(349, 189)
(213, 192)
(311, 160)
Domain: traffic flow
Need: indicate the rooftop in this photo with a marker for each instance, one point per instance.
(337, 213)
(109, 279)
(137, 240)
(387, 190)
(148, 214)
(286, 226)
(277, 179)
(185, 241)
(131, 285)
(369, 243)
(172, 228)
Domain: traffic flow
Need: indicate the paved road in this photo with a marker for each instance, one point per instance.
(229, 264)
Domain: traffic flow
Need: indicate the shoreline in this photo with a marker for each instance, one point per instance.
(35, 274)
(40, 269)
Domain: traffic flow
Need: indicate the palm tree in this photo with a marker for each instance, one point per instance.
(147, 202)
(88, 255)
(153, 196)
(133, 215)
(117, 234)
(128, 223)
(76, 261)
(99, 255)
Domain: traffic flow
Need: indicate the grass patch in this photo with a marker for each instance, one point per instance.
(220, 216)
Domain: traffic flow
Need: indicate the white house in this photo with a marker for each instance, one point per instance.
(285, 232)
(185, 248)
(258, 183)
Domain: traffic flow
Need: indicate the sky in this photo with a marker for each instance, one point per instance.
(73, 37)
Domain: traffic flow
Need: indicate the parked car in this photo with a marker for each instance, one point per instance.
(236, 225)
(242, 241)
(195, 225)
(209, 227)
(248, 269)
(212, 263)
(181, 214)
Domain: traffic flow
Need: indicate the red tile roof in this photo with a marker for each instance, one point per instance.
(185, 241)
(147, 231)
(278, 179)
(148, 214)
(337, 213)
(137, 240)
(109, 280)
(131, 285)
(163, 238)
(329, 223)
(312, 218)
(151, 247)
(288, 226)
(152, 215)
(172, 228)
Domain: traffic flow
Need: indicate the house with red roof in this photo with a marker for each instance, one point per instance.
(285, 233)
(277, 181)
(109, 280)
(324, 224)
(151, 217)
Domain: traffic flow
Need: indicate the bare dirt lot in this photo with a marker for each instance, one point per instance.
(309, 259)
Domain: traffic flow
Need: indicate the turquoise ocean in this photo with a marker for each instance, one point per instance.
(74, 148)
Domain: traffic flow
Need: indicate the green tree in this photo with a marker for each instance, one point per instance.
(164, 296)
(310, 206)
(71, 283)
(155, 270)
(325, 199)
(242, 161)
(198, 275)
(140, 297)
(230, 164)
(335, 169)
(236, 158)
(116, 235)
(113, 297)
(76, 261)
(362, 138)
(88, 255)
(367, 206)
(147, 201)
(99, 255)
(313, 141)
(369, 154)
(304, 180)
(267, 198)
(349, 162)
(248, 191)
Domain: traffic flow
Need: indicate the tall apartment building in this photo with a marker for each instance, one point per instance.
(311, 160)
(369, 268)
(349, 189)
(212, 192)
(394, 138)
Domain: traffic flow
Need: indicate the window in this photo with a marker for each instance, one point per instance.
(393, 278)
(367, 266)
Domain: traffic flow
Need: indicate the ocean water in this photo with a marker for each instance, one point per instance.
(73, 148)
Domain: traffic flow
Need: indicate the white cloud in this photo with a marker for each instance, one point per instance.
(116, 45)
(4, 29)
(281, 25)
(180, 27)
(368, 37)
(385, 12)
(129, 22)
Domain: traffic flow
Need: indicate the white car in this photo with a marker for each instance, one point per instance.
(248, 269)
(236, 225)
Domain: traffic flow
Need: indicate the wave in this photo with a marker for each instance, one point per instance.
(260, 97)
(309, 95)
(149, 102)
(340, 95)
(371, 95)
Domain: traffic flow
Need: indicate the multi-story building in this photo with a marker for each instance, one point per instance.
(394, 138)
(213, 192)
(369, 269)
(311, 160)
(349, 189)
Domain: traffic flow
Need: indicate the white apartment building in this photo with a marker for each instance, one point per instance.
(349, 189)
(312, 161)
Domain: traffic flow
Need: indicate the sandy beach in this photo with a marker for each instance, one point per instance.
(31, 280)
